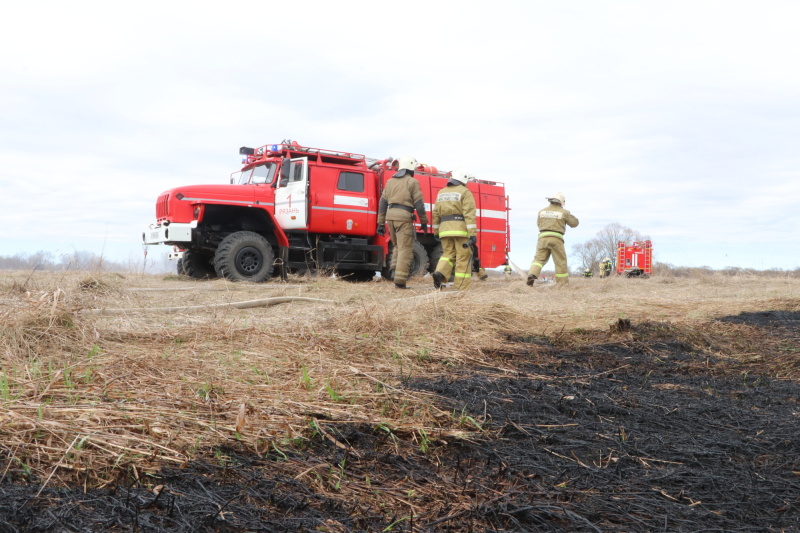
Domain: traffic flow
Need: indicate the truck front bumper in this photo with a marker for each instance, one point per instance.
(169, 233)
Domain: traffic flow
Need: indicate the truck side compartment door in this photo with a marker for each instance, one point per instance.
(355, 209)
(291, 197)
(492, 224)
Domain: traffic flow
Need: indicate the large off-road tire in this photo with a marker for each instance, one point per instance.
(419, 262)
(180, 270)
(244, 256)
(197, 265)
(433, 258)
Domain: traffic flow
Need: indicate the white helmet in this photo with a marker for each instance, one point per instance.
(558, 198)
(607, 259)
(405, 165)
(460, 175)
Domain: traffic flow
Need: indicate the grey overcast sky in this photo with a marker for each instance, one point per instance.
(679, 119)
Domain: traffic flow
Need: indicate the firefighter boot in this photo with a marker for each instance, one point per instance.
(438, 279)
(531, 279)
(400, 286)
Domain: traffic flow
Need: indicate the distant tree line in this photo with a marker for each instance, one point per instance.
(669, 270)
(78, 260)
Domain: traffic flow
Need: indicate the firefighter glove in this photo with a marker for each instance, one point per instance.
(424, 227)
(436, 236)
(380, 230)
(472, 240)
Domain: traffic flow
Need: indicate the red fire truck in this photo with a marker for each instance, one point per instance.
(635, 260)
(293, 208)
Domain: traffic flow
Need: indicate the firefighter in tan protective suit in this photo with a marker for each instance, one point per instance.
(553, 221)
(605, 267)
(454, 224)
(401, 196)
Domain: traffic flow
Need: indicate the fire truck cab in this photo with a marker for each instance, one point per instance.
(296, 208)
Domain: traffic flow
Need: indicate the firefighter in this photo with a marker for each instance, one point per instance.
(507, 270)
(454, 224)
(605, 267)
(552, 221)
(401, 196)
(588, 273)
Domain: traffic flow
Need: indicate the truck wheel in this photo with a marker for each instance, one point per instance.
(435, 255)
(419, 262)
(244, 256)
(181, 271)
(197, 265)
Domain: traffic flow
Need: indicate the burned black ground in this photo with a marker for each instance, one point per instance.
(660, 428)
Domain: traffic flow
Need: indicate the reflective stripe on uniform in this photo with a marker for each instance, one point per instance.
(459, 275)
(453, 234)
(537, 264)
(447, 259)
(562, 275)
(551, 234)
(448, 196)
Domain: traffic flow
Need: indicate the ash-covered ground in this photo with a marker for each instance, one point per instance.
(649, 429)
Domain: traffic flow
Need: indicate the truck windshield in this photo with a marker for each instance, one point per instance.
(241, 178)
(263, 173)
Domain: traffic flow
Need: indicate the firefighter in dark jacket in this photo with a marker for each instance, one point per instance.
(401, 196)
(552, 221)
(454, 224)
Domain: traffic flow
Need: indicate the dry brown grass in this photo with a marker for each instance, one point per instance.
(91, 397)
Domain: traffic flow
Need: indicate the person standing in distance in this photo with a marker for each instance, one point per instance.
(455, 225)
(552, 221)
(605, 267)
(400, 197)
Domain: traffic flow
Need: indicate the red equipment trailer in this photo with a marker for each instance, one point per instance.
(296, 208)
(635, 260)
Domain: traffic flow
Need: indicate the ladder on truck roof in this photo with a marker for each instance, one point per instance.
(292, 147)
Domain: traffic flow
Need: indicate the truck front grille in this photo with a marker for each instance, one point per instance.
(162, 206)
